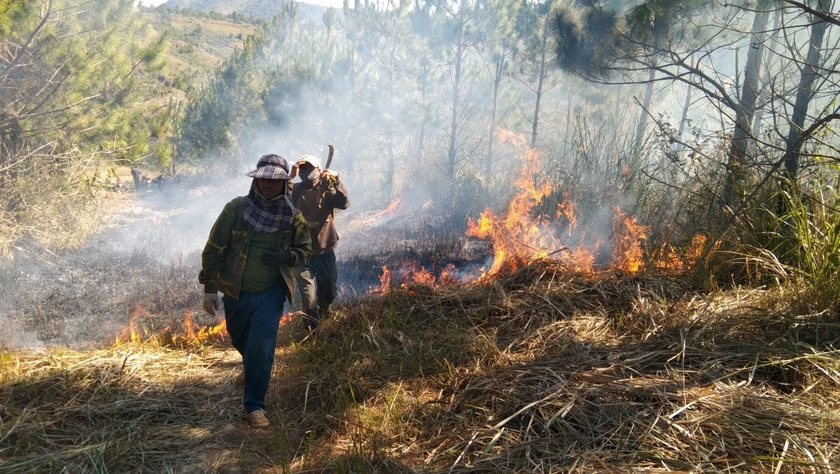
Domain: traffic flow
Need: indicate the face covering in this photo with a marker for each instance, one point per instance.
(267, 215)
(312, 178)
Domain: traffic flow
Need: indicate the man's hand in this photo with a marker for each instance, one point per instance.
(277, 258)
(330, 177)
(211, 303)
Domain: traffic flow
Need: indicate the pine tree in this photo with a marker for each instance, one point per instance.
(66, 83)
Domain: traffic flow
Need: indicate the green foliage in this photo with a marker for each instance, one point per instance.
(194, 13)
(792, 238)
(585, 40)
(228, 100)
(809, 243)
(11, 11)
(67, 76)
(417, 94)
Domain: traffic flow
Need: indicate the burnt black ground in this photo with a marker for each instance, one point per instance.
(139, 267)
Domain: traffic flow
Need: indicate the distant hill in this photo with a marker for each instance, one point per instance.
(198, 44)
(263, 9)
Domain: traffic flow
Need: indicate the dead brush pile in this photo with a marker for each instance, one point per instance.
(536, 371)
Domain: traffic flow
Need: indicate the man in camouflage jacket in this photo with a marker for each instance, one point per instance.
(253, 247)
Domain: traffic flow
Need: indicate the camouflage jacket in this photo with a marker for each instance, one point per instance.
(226, 252)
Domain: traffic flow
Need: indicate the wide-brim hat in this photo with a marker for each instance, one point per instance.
(270, 167)
(311, 159)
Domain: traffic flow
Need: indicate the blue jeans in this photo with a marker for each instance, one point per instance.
(252, 323)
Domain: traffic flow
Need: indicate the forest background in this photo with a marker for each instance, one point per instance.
(711, 124)
(689, 125)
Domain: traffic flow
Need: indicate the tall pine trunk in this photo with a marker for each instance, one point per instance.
(805, 93)
(456, 89)
(744, 112)
(539, 91)
(491, 135)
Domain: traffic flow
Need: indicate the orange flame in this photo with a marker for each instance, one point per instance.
(409, 273)
(508, 136)
(191, 334)
(447, 275)
(417, 274)
(680, 260)
(567, 209)
(627, 236)
(385, 280)
(517, 237)
(130, 334)
(520, 237)
(392, 207)
(695, 249)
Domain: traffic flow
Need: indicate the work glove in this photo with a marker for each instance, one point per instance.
(277, 258)
(211, 303)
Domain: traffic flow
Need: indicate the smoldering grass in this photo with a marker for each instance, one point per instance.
(88, 300)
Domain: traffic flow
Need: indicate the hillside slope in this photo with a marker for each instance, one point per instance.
(540, 370)
(263, 9)
(197, 46)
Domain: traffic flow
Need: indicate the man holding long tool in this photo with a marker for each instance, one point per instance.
(317, 196)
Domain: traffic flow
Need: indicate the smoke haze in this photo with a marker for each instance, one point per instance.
(441, 147)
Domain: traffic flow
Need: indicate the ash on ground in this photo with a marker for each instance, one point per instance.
(141, 273)
(405, 241)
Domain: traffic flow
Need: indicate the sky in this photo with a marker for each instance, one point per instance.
(324, 3)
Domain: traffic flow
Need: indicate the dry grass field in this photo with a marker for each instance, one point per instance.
(537, 370)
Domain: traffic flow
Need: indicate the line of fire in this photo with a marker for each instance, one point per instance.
(494, 245)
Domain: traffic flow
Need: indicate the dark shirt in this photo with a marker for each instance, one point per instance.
(318, 207)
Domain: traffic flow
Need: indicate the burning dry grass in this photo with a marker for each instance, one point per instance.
(537, 371)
